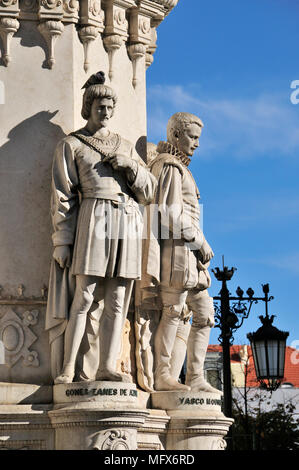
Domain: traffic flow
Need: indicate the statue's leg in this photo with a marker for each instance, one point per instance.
(178, 354)
(173, 302)
(202, 307)
(82, 301)
(116, 303)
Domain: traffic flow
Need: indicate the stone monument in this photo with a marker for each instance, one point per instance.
(49, 49)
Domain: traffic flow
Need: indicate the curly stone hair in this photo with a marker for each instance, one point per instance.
(178, 123)
(93, 92)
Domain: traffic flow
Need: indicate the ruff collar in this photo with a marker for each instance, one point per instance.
(166, 147)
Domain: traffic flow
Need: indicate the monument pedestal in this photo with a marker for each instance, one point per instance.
(96, 416)
(196, 420)
(109, 416)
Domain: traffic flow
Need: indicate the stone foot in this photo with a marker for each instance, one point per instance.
(112, 376)
(67, 375)
(169, 384)
(203, 386)
(64, 379)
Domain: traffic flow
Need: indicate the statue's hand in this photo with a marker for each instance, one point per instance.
(62, 254)
(120, 162)
(207, 252)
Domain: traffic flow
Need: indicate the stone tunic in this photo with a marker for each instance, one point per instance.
(171, 256)
(105, 229)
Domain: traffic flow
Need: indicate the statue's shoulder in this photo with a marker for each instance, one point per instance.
(71, 140)
(165, 159)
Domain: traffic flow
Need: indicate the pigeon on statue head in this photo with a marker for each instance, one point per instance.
(95, 79)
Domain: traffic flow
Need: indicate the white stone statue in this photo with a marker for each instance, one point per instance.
(177, 257)
(98, 183)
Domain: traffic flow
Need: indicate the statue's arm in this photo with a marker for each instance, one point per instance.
(142, 182)
(64, 199)
(172, 210)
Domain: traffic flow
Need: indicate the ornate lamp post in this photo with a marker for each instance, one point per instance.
(229, 318)
(268, 346)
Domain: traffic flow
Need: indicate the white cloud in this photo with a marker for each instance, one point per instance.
(266, 125)
(287, 262)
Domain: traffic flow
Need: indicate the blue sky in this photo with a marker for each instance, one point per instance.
(232, 64)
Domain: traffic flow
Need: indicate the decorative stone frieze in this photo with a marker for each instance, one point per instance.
(8, 27)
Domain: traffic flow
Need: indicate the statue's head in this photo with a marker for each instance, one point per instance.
(183, 131)
(99, 100)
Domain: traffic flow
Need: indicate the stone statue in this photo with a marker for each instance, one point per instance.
(98, 182)
(177, 256)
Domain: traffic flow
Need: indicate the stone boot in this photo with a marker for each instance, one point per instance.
(110, 338)
(196, 352)
(164, 343)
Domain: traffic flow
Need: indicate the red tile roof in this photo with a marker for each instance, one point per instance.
(291, 372)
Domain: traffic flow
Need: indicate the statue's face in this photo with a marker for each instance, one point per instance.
(188, 139)
(101, 111)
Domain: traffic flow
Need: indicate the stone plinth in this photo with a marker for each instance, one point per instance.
(104, 394)
(196, 421)
(96, 415)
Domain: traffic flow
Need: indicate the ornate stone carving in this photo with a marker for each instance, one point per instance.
(168, 4)
(50, 9)
(136, 52)
(151, 48)
(51, 30)
(71, 10)
(87, 34)
(7, 3)
(91, 13)
(115, 16)
(219, 444)
(17, 337)
(115, 439)
(8, 27)
(112, 43)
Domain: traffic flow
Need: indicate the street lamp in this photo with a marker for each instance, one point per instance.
(268, 346)
(268, 343)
